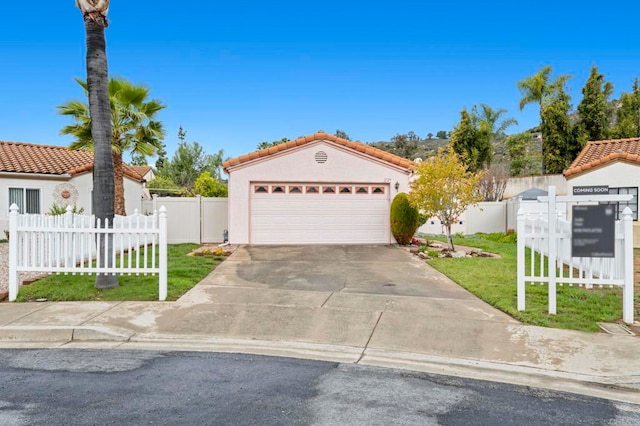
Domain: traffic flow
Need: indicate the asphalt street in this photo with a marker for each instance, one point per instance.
(90, 387)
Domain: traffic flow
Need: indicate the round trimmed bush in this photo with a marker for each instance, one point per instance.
(405, 219)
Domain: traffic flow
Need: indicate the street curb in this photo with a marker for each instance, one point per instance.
(618, 388)
(54, 333)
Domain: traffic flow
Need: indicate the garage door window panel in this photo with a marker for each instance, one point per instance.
(295, 189)
(312, 190)
(345, 190)
(277, 189)
(378, 190)
(328, 190)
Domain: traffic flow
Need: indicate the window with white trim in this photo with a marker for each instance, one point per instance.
(27, 199)
(632, 204)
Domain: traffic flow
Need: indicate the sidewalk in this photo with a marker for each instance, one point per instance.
(437, 335)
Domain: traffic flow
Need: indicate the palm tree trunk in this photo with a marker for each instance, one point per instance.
(100, 112)
(119, 184)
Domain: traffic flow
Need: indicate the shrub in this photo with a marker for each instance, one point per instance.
(57, 209)
(405, 219)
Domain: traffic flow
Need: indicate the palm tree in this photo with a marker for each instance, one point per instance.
(493, 121)
(538, 89)
(94, 13)
(134, 128)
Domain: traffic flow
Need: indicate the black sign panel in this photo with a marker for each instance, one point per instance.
(593, 231)
(591, 190)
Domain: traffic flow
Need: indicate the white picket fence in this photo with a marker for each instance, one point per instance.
(549, 236)
(78, 244)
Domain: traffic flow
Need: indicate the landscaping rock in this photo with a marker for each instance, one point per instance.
(459, 254)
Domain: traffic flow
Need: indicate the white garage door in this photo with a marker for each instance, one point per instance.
(327, 213)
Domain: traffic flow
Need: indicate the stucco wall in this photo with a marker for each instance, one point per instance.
(83, 184)
(299, 165)
(486, 216)
(518, 184)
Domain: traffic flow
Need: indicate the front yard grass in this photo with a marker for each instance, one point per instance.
(184, 273)
(494, 281)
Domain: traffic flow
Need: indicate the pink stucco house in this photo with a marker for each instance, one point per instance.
(317, 189)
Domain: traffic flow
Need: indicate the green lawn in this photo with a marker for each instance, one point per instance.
(184, 272)
(494, 281)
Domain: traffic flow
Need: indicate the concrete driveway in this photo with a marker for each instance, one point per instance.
(385, 270)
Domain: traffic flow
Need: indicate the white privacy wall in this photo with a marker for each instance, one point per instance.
(192, 219)
(343, 165)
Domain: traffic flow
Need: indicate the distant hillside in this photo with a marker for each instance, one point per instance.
(423, 148)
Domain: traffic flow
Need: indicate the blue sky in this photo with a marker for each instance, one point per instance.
(234, 74)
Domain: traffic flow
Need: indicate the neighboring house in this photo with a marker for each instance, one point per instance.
(317, 189)
(37, 176)
(615, 163)
(146, 172)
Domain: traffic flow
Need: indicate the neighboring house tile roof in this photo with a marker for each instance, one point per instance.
(321, 136)
(142, 170)
(599, 153)
(18, 157)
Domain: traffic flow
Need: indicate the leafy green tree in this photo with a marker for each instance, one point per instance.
(138, 159)
(265, 144)
(134, 125)
(441, 134)
(471, 142)
(558, 145)
(429, 135)
(443, 188)
(208, 186)
(187, 163)
(538, 89)
(214, 164)
(628, 114)
(525, 154)
(341, 134)
(94, 13)
(405, 145)
(161, 153)
(163, 185)
(593, 111)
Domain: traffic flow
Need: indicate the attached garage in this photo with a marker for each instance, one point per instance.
(319, 189)
(308, 213)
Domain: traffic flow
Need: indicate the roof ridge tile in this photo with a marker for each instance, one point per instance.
(320, 136)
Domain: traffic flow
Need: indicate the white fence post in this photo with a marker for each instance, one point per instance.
(162, 278)
(552, 248)
(521, 230)
(13, 252)
(627, 291)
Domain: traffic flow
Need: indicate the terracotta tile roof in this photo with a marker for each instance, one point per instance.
(142, 170)
(321, 136)
(18, 157)
(599, 153)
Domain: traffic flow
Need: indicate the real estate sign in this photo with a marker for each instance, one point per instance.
(593, 231)
(591, 190)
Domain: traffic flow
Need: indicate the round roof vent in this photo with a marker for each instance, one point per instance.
(321, 157)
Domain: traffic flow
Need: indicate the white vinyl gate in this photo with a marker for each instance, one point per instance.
(193, 219)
